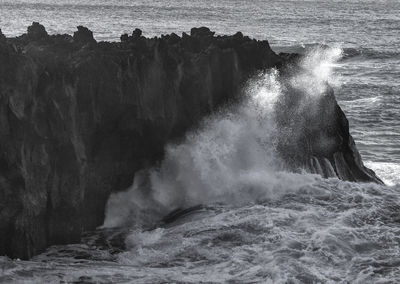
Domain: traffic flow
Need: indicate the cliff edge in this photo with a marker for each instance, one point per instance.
(78, 118)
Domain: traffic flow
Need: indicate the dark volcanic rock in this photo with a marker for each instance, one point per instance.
(76, 123)
(135, 37)
(124, 37)
(84, 35)
(36, 31)
(137, 33)
(316, 137)
(2, 37)
(201, 32)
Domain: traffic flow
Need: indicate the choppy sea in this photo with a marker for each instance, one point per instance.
(257, 223)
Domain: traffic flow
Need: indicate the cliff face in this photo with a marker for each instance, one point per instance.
(314, 131)
(78, 118)
(315, 137)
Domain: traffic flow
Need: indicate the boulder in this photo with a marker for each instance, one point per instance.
(201, 32)
(83, 35)
(37, 31)
(2, 37)
(137, 33)
(124, 38)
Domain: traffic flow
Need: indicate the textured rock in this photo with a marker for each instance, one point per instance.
(201, 32)
(84, 35)
(36, 31)
(315, 132)
(2, 37)
(124, 37)
(137, 33)
(77, 121)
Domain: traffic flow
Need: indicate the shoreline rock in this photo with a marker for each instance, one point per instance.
(78, 118)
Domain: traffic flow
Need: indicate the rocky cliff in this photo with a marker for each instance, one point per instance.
(79, 117)
(314, 131)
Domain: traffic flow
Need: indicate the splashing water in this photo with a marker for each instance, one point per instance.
(232, 158)
(260, 222)
(320, 61)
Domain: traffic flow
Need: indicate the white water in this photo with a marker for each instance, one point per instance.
(326, 231)
(263, 223)
(388, 172)
(232, 157)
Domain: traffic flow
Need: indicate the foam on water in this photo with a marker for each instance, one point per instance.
(326, 232)
(389, 172)
(332, 231)
(273, 226)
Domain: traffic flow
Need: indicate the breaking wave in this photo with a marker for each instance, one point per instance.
(257, 222)
(232, 158)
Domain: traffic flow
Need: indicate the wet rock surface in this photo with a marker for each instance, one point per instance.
(78, 118)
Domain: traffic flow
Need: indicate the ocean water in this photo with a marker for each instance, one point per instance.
(257, 223)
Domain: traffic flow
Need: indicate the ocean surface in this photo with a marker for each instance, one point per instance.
(257, 223)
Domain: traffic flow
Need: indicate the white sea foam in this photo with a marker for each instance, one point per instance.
(388, 172)
(321, 62)
(333, 232)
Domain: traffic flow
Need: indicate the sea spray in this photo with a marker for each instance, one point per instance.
(233, 157)
(261, 221)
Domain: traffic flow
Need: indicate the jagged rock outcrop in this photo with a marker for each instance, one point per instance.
(77, 120)
(37, 32)
(2, 37)
(84, 35)
(314, 131)
(79, 117)
(317, 139)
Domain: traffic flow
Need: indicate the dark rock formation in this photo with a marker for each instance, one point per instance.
(36, 31)
(84, 35)
(201, 32)
(316, 137)
(2, 37)
(124, 38)
(136, 36)
(314, 131)
(77, 120)
(137, 33)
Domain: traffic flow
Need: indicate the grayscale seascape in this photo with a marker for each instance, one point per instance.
(246, 219)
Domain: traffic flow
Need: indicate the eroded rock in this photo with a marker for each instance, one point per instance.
(201, 32)
(2, 37)
(37, 31)
(83, 35)
(77, 123)
(137, 33)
